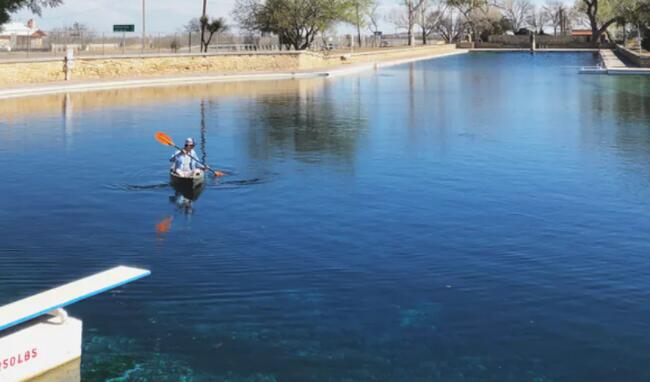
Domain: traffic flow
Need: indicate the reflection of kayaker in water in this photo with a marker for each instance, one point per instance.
(184, 162)
(182, 203)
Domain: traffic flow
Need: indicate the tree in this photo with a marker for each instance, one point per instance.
(451, 26)
(374, 17)
(213, 27)
(537, 19)
(360, 10)
(398, 17)
(412, 10)
(491, 22)
(295, 22)
(516, 12)
(559, 15)
(430, 14)
(193, 26)
(78, 32)
(7, 7)
(472, 11)
(601, 14)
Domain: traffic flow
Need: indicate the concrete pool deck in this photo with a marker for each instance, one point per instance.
(84, 86)
(613, 64)
(538, 50)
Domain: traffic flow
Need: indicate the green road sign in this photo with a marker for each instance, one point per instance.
(124, 28)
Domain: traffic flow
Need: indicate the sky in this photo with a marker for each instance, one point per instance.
(163, 16)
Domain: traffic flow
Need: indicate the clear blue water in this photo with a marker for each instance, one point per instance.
(481, 217)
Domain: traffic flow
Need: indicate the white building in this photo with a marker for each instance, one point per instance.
(17, 35)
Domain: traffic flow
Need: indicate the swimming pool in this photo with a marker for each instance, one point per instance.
(480, 217)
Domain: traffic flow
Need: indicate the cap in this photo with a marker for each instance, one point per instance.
(189, 141)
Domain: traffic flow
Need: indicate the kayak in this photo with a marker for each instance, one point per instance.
(192, 181)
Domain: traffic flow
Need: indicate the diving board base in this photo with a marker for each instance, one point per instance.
(37, 338)
(36, 349)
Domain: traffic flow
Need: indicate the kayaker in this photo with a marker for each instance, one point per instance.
(183, 162)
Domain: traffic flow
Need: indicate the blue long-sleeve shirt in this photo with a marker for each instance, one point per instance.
(183, 162)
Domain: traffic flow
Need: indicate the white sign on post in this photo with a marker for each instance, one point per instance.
(69, 54)
(68, 63)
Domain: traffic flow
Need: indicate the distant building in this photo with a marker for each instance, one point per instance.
(583, 34)
(19, 36)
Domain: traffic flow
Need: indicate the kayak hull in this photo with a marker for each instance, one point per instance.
(190, 187)
(193, 181)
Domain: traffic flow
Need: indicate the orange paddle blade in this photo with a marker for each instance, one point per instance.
(165, 225)
(219, 173)
(164, 139)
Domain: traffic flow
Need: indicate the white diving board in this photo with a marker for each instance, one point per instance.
(43, 303)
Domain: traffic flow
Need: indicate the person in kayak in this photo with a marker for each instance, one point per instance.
(183, 162)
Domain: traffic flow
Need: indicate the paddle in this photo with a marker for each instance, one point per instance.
(167, 141)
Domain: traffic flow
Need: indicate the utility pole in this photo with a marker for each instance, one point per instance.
(144, 29)
(203, 19)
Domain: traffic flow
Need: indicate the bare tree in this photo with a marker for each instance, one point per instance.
(78, 32)
(360, 10)
(537, 19)
(412, 9)
(374, 17)
(193, 26)
(558, 15)
(398, 17)
(430, 14)
(472, 11)
(517, 12)
(451, 26)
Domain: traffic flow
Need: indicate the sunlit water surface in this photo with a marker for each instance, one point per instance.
(481, 217)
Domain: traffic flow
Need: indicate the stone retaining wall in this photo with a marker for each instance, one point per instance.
(88, 68)
(642, 61)
(542, 41)
(128, 67)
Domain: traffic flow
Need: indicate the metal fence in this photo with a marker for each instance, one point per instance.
(92, 44)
